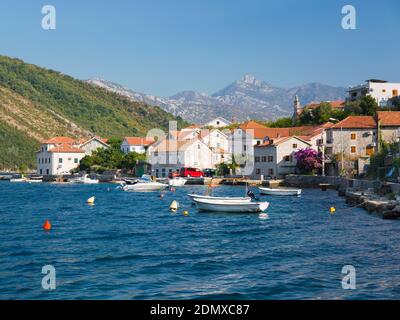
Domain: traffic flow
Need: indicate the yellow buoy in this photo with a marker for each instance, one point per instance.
(91, 200)
(332, 210)
(185, 213)
(174, 206)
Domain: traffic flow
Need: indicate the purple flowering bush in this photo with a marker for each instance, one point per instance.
(308, 160)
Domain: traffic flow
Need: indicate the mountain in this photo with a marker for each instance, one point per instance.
(37, 103)
(247, 98)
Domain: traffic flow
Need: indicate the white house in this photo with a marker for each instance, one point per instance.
(92, 144)
(136, 144)
(218, 122)
(275, 157)
(171, 155)
(382, 91)
(58, 156)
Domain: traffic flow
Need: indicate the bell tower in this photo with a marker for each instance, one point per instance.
(296, 109)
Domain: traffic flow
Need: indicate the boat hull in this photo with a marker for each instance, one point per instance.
(231, 199)
(177, 182)
(144, 187)
(280, 192)
(230, 207)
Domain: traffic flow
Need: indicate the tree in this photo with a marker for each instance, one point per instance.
(280, 123)
(308, 160)
(368, 105)
(322, 113)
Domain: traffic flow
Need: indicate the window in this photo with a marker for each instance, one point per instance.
(287, 158)
(258, 171)
(257, 159)
(60, 160)
(156, 153)
(353, 149)
(270, 172)
(264, 159)
(353, 136)
(270, 159)
(40, 171)
(69, 159)
(198, 146)
(294, 145)
(383, 90)
(395, 93)
(217, 122)
(76, 160)
(244, 147)
(258, 142)
(329, 150)
(47, 171)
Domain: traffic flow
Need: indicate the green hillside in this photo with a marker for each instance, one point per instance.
(37, 103)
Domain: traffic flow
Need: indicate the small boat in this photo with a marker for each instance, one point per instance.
(229, 206)
(21, 179)
(230, 199)
(280, 191)
(177, 182)
(35, 179)
(141, 186)
(84, 179)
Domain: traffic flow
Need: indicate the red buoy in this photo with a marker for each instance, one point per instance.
(47, 225)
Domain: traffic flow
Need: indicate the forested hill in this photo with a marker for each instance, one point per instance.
(37, 103)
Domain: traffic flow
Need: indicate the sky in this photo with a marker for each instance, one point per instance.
(163, 47)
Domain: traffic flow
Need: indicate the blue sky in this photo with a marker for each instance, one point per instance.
(163, 47)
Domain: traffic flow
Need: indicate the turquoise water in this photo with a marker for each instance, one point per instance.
(129, 246)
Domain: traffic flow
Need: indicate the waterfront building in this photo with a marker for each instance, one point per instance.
(136, 144)
(170, 155)
(382, 91)
(349, 145)
(388, 124)
(58, 155)
(274, 158)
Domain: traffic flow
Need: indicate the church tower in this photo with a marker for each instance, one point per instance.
(296, 109)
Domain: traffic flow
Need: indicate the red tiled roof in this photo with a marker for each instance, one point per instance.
(139, 141)
(337, 104)
(389, 118)
(66, 148)
(57, 140)
(251, 125)
(356, 122)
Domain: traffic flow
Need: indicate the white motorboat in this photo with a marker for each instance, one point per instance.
(229, 206)
(177, 182)
(35, 179)
(280, 191)
(22, 179)
(142, 186)
(84, 179)
(230, 199)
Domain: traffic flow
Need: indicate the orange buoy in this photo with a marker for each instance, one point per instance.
(47, 225)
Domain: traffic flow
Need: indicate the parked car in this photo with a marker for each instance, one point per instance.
(209, 172)
(191, 172)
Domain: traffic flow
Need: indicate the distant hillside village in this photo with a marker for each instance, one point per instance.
(253, 148)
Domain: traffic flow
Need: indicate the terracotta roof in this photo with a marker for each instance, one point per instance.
(57, 140)
(251, 125)
(389, 118)
(193, 126)
(356, 122)
(337, 104)
(138, 141)
(66, 148)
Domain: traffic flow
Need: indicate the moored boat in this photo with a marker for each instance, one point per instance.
(229, 206)
(231, 199)
(143, 186)
(84, 179)
(177, 182)
(280, 191)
